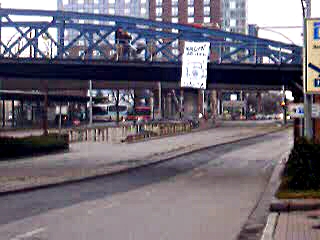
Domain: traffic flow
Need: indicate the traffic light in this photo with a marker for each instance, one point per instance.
(283, 104)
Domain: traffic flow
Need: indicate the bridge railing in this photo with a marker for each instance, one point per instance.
(83, 36)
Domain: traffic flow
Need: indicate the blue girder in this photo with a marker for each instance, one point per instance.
(96, 33)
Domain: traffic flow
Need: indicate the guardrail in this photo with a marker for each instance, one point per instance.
(117, 134)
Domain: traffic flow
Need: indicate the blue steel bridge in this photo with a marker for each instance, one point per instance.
(37, 48)
(97, 34)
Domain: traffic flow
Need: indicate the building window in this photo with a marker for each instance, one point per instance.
(206, 11)
(174, 11)
(96, 1)
(190, 19)
(96, 11)
(65, 2)
(158, 11)
(81, 43)
(112, 1)
(206, 20)
(190, 11)
(127, 11)
(232, 5)
(81, 21)
(174, 2)
(111, 11)
(127, 1)
(143, 1)
(190, 2)
(159, 19)
(159, 2)
(206, 2)
(233, 22)
(143, 11)
(80, 1)
(96, 22)
(175, 31)
(175, 20)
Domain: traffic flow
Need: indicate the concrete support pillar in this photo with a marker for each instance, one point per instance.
(117, 106)
(45, 108)
(219, 103)
(22, 112)
(3, 113)
(213, 104)
(164, 105)
(169, 104)
(13, 114)
(200, 102)
(152, 106)
(181, 103)
(157, 101)
(259, 102)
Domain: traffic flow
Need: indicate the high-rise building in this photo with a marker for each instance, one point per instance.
(133, 8)
(201, 12)
(234, 15)
(186, 11)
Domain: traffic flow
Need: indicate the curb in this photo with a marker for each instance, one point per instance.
(168, 156)
(255, 224)
(269, 230)
(294, 205)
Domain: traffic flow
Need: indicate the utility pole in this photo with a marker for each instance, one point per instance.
(308, 128)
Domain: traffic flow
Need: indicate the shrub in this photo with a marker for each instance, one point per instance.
(11, 147)
(302, 170)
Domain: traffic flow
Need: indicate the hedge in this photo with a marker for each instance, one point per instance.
(11, 147)
(302, 170)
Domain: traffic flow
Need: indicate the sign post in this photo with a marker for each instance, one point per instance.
(311, 66)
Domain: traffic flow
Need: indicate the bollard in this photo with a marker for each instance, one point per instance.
(105, 135)
(92, 135)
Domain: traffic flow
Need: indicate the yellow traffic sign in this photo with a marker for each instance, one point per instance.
(312, 56)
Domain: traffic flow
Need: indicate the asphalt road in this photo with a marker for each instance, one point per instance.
(204, 195)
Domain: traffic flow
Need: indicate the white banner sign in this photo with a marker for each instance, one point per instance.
(194, 65)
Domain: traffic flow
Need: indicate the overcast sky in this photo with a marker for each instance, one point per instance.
(264, 13)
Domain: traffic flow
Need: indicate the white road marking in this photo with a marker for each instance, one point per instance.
(28, 234)
(198, 175)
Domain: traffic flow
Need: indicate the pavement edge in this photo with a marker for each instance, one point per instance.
(158, 159)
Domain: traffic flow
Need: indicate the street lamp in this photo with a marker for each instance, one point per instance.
(270, 29)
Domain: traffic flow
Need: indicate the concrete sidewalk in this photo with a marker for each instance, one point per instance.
(298, 226)
(91, 159)
(293, 219)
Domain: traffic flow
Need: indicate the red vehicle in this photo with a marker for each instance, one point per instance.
(142, 113)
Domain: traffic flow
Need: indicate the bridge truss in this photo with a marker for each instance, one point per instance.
(43, 34)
